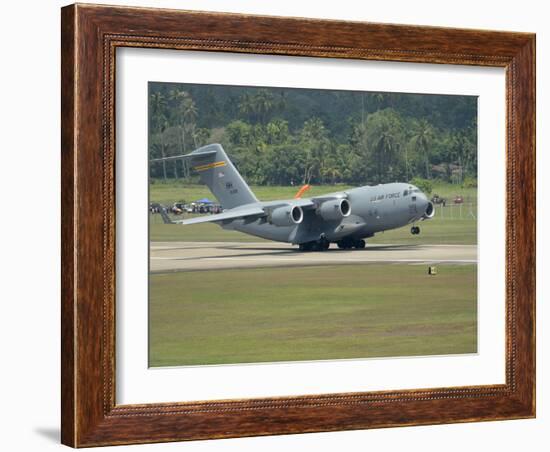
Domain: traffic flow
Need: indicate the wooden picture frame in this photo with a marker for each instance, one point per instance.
(90, 35)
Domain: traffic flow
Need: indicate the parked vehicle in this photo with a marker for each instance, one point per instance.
(458, 199)
(436, 199)
(176, 210)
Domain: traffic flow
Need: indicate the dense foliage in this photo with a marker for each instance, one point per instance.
(289, 136)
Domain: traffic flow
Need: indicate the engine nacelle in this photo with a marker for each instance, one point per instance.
(287, 216)
(335, 209)
(430, 211)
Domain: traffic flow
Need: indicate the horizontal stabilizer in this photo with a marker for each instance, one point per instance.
(229, 215)
(196, 156)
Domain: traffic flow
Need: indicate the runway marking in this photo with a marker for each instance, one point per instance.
(464, 261)
(192, 256)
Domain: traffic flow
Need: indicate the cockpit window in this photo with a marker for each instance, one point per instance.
(406, 193)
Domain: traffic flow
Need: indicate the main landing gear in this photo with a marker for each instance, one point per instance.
(415, 230)
(316, 245)
(348, 243)
(324, 244)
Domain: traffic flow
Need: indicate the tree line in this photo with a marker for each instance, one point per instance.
(290, 136)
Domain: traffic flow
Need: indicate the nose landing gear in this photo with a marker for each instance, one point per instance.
(415, 230)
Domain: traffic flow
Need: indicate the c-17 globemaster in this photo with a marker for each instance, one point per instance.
(345, 218)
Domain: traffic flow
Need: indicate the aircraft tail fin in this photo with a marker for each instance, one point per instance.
(220, 175)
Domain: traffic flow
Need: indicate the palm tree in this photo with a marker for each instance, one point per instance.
(200, 136)
(263, 104)
(281, 102)
(246, 106)
(463, 152)
(384, 150)
(379, 99)
(314, 137)
(159, 149)
(157, 102)
(361, 138)
(179, 97)
(332, 170)
(421, 140)
(157, 105)
(187, 112)
(163, 124)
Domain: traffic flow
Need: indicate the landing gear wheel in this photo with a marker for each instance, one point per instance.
(415, 230)
(316, 245)
(360, 244)
(347, 244)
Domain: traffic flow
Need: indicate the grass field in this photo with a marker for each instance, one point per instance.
(311, 313)
(452, 226)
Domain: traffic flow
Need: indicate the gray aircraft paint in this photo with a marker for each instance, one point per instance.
(372, 208)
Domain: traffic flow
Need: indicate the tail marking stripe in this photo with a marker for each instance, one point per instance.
(209, 165)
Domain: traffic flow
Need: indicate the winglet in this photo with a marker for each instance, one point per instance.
(302, 190)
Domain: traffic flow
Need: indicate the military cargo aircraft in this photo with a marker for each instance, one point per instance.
(346, 218)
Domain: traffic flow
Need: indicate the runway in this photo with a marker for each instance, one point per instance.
(192, 256)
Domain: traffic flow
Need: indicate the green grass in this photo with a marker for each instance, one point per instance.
(449, 191)
(311, 313)
(436, 231)
(455, 226)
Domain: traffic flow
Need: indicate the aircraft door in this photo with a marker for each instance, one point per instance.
(412, 204)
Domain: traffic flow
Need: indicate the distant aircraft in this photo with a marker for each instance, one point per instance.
(345, 218)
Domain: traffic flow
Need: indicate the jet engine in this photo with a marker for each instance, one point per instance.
(287, 216)
(430, 211)
(335, 209)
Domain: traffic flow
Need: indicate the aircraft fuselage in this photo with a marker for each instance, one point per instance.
(372, 209)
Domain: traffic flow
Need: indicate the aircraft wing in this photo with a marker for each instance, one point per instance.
(312, 203)
(328, 197)
(309, 203)
(232, 214)
(303, 203)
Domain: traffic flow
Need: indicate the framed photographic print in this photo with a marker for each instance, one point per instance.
(282, 225)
